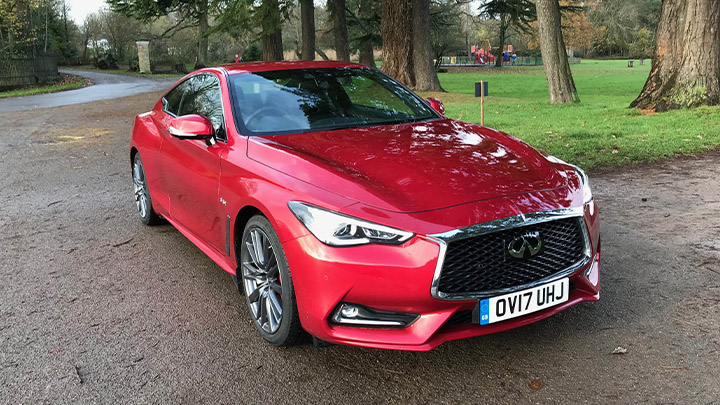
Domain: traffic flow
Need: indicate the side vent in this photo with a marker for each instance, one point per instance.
(227, 236)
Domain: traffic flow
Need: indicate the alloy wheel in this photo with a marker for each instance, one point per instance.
(261, 280)
(141, 195)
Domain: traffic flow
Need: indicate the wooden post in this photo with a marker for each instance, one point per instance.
(482, 103)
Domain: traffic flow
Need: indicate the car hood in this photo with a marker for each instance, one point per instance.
(411, 167)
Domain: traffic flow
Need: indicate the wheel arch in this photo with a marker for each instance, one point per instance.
(241, 219)
(133, 152)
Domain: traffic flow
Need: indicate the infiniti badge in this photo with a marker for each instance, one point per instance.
(526, 245)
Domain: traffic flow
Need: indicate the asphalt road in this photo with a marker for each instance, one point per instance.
(105, 87)
(97, 308)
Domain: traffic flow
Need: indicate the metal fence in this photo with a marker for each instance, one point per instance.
(17, 72)
(520, 61)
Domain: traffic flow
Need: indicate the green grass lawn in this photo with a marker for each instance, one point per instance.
(67, 82)
(600, 131)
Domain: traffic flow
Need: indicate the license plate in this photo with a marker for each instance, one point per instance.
(508, 306)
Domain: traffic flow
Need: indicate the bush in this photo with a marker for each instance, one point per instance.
(106, 61)
(133, 65)
(642, 45)
(252, 53)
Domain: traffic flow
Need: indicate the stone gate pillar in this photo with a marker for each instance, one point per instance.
(143, 56)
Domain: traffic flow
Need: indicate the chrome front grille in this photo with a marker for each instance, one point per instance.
(477, 263)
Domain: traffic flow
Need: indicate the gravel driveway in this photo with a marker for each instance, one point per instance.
(97, 308)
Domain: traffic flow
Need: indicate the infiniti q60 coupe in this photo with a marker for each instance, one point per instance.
(348, 208)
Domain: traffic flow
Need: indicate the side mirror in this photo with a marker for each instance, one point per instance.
(191, 126)
(436, 104)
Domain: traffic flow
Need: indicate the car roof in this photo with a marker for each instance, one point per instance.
(250, 67)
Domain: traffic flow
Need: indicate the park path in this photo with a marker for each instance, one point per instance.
(105, 86)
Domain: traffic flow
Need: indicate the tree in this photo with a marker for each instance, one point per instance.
(617, 22)
(686, 68)
(555, 63)
(511, 13)
(269, 15)
(89, 29)
(578, 31)
(642, 45)
(266, 16)
(340, 29)
(32, 27)
(407, 52)
(364, 29)
(307, 21)
(366, 43)
(120, 31)
(202, 19)
(447, 18)
(396, 30)
(197, 11)
(426, 78)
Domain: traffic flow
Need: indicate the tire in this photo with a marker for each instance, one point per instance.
(143, 202)
(267, 284)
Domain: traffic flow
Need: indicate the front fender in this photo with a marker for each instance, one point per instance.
(147, 141)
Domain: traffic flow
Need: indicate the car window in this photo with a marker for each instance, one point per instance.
(302, 100)
(365, 92)
(203, 97)
(174, 97)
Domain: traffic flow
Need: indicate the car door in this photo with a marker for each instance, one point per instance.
(191, 168)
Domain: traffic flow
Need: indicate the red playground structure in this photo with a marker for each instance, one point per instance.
(482, 56)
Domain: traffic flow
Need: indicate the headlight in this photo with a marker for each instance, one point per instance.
(584, 180)
(341, 230)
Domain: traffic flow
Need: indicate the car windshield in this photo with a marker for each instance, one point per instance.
(304, 100)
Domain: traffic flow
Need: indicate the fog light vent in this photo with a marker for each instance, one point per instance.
(348, 314)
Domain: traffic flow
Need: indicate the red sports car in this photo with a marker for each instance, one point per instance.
(349, 208)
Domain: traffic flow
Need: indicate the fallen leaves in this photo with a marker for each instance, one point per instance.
(535, 385)
(619, 350)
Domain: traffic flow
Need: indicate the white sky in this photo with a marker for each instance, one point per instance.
(81, 8)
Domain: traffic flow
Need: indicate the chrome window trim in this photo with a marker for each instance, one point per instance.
(503, 224)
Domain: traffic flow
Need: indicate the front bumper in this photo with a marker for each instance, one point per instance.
(400, 279)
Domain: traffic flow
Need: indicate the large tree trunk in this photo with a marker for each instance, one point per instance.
(396, 31)
(271, 36)
(468, 26)
(202, 35)
(501, 49)
(686, 68)
(426, 78)
(554, 56)
(366, 48)
(307, 21)
(340, 30)
(272, 48)
(367, 56)
(87, 33)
